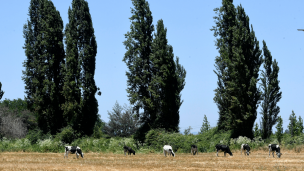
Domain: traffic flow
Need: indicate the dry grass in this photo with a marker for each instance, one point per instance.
(258, 160)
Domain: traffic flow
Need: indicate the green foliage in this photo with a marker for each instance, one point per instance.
(34, 135)
(223, 31)
(138, 60)
(99, 126)
(240, 57)
(271, 93)
(293, 126)
(300, 125)
(165, 83)
(155, 140)
(279, 127)
(256, 131)
(206, 125)
(152, 137)
(80, 107)
(67, 135)
(1, 91)
(16, 104)
(122, 122)
(155, 80)
(43, 67)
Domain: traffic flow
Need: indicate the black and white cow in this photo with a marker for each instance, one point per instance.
(274, 148)
(168, 150)
(72, 150)
(128, 150)
(223, 148)
(194, 149)
(246, 149)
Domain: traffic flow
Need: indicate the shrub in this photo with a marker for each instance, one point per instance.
(67, 135)
(22, 143)
(34, 135)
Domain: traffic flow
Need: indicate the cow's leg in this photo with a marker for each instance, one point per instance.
(217, 153)
(225, 153)
(241, 150)
(269, 151)
(273, 154)
(164, 153)
(65, 154)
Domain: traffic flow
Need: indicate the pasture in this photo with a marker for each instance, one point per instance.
(258, 160)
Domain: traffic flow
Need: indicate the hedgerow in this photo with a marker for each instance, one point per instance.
(155, 140)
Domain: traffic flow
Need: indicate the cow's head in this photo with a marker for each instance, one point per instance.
(279, 154)
(79, 152)
(171, 151)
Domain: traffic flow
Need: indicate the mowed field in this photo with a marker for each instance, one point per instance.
(258, 160)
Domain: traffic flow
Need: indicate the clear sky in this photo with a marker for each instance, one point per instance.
(188, 24)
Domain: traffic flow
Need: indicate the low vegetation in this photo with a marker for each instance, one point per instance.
(155, 140)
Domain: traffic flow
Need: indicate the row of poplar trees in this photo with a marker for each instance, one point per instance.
(59, 80)
(237, 67)
(155, 80)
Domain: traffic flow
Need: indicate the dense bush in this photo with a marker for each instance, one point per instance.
(36, 134)
(155, 140)
(67, 135)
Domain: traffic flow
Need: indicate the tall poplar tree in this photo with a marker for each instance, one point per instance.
(271, 93)
(165, 83)
(223, 31)
(138, 60)
(81, 107)
(244, 71)
(237, 67)
(43, 67)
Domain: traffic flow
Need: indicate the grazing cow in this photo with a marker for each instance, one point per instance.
(276, 148)
(246, 149)
(223, 148)
(72, 150)
(168, 150)
(128, 150)
(194, 149)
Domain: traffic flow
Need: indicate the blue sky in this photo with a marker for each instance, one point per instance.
(188, 24)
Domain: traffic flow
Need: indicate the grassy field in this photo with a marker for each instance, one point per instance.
(258, 160)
